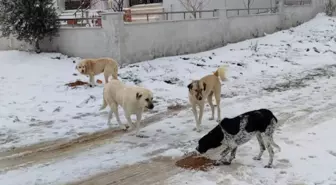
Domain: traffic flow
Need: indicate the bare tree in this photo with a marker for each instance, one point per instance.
(117, 5)
(194, 5)
(248, 5)
(330, 8)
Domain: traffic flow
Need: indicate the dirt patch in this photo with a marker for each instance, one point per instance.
(76, 84)
(195, 162)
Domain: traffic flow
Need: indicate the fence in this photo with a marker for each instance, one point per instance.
(250, 11)
(184, 14)
(297, 2)
(130, 43)
(81, 22)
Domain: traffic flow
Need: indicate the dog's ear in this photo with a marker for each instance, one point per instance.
(204, 86)
(138, 96)
(190, 86)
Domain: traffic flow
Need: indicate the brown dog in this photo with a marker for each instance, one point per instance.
(93, 67)
(205, 88)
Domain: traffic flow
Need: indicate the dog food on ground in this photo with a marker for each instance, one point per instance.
(195, 162)
(76, 83)
(99, 81)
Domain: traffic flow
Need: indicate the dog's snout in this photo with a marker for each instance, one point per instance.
(199, 98)
(82, 70)
(151, 106)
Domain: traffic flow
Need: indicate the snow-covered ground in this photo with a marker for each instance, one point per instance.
(290, 72)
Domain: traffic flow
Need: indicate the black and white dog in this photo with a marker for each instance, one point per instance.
(233, 132)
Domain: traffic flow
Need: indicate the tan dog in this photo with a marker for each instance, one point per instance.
(205, 88)
(133, 99)
(93, 67)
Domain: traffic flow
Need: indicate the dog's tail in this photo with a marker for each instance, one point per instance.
(275, 119)
(221, 72)
(104, 104)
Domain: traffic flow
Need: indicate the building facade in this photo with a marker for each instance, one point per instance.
(168, 5)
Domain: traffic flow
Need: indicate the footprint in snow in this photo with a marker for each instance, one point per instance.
(312, 156)
(333, 153)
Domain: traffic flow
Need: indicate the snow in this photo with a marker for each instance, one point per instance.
(290, 72)
(310, 159)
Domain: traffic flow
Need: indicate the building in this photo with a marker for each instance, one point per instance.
(168, 5)
(70, 8)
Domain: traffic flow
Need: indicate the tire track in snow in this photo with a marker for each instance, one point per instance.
(53, 150)
(155, 171)
(57, 150)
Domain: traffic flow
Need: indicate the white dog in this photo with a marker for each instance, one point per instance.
(133, 99)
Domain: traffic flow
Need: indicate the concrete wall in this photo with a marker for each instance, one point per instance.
(12, 43)
(157, 39)
(90, 42)
(134, 42)
(238, 29)
(295, 15)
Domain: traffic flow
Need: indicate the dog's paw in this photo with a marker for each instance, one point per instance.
(268, 166)
(124, 127)
(256, 158)
(197, 129)
(211, 118)
(220, 162)
(131, 126)
(92, 85)
(226, 163)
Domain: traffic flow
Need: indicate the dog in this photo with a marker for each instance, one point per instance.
(233, 132)
(133, 99)
(93, 67)
(205, 88)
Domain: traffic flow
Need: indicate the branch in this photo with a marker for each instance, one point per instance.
(118, 5)
(194, 5)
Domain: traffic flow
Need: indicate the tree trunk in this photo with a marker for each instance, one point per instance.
(37, 46)
(194, 13)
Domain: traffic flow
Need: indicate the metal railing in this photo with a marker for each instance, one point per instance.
(81, 22)
(297, 2)
(184, 14)
(251, 11)
(139, 2)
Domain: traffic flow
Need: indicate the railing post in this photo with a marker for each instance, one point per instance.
(147, 17)
(184, 15)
